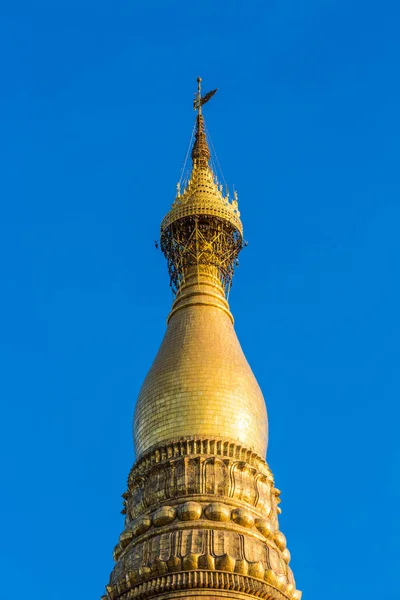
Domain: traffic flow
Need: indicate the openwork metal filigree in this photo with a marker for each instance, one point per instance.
(204, 240)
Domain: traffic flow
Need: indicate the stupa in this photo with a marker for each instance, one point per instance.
(201, 508)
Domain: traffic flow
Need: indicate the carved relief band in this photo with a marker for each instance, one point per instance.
(188, 513)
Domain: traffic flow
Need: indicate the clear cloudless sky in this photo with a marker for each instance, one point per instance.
(95, 116)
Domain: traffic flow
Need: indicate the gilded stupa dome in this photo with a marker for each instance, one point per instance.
(200, 382)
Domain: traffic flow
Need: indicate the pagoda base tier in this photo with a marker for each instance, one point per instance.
(201, 515)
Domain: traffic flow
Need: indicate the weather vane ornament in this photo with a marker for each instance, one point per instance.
(203, 230)
(199, 101)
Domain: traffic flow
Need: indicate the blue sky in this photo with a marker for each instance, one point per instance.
(95, 116)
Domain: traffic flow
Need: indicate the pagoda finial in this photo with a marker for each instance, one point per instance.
(203, 229)
(201, 151)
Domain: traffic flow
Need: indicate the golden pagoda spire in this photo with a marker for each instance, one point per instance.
(201, 508)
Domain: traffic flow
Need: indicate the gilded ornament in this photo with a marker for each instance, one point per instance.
(207, 561)
(174, 564)
(144, 572)
(264, 527)
(164, 516)
(242, 567)
(289, 589)
(190, 562)
(280, 540)
(159, 567)
(286, 555)
(270, 577)
(126, 537)
(118, 551)
(217, 512)
(141, 525)
(290, 575)
(243, 517)
(226, 563)
(257, 570)
(281, 582)
(190, 511)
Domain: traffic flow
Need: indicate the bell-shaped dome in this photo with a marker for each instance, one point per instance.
(200, 383)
